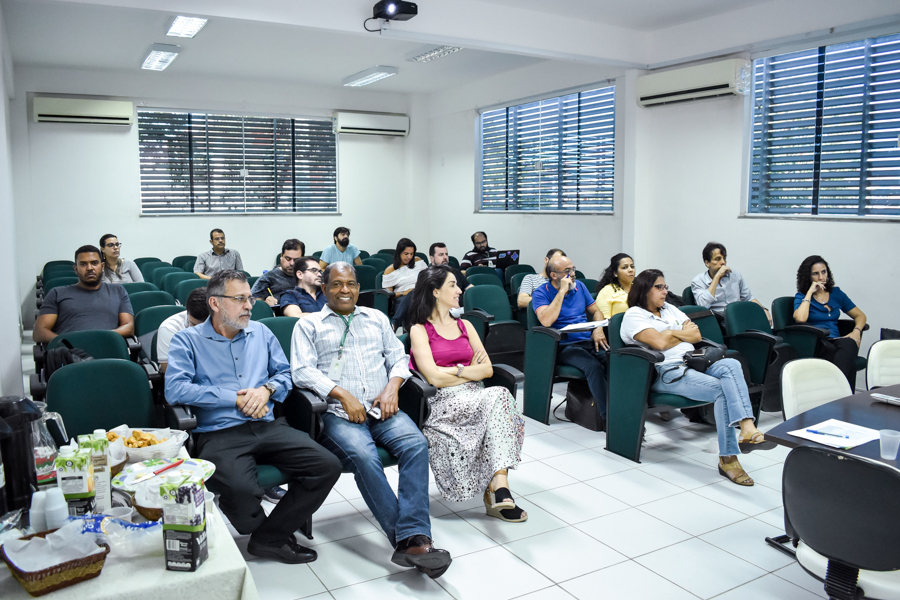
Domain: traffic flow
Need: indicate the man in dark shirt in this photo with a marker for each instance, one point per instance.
(307, 298)
(441, 256)
(88, 304)
(481, 254)
(272, 284)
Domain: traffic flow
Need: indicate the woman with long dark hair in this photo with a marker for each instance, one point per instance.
(533, 281)
(819, 303)
(615, 283)
(652, 322)
(400, 277)
(474, 433)
(116, 269)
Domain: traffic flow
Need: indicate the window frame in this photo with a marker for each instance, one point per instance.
(613, 82)
(243, 114)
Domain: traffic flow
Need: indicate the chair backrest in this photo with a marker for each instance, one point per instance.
(142, 300)
(100, 394)
(251, 281)
(365, 276)
(160, 273)
(515, 282)
(181, 261)
(283, 329)
(489, 298)
(261, 310)
(376, 263)
(318, 254)
(512, 270)
(478, 270)
(386, 251)
(133, 287)
(188, 267)
(148, 267)
(58, 263)
(140, 262)
(579, 275)
(706, 322)
(387, 258)
(842, 506)
(453, 261)
(278, 260)
(49, 284)
(99, 343)
(590, 284)
(783, 312)
(531, 317)
(810, 382)
(171, 280)
(184, 288)
(614, 335)
(688, 296)
(744, 316)
(363, 255)
(423, 256)
(883, 364)
(149, 319)
(486, 279)
(55, 271)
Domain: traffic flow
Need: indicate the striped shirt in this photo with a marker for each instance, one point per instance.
(372, 355)
(209, 262)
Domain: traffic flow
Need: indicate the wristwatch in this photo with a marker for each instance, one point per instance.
(271, 387)
(459, 369)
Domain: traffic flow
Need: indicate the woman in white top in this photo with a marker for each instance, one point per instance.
(115, 269)
(651, 322)
(533, 281)
(401, 277)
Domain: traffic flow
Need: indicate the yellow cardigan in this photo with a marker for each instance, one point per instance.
(612, 300)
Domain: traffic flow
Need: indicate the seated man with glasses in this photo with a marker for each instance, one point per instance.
(349, 356)
(232, 370)
(566, 301)
(272, 284)
(307, 298)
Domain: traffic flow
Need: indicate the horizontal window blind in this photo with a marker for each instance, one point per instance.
(553, 154)
(825, 131)
(199, 162)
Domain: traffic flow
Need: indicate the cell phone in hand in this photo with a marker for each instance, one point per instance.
(374, 412)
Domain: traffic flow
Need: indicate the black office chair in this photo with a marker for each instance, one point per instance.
(839, 515)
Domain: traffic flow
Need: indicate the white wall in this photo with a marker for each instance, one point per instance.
(453, 118)
(75, 183)
(688, 191)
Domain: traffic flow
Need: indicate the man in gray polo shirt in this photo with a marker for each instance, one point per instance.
(88, 304)
(218, 258)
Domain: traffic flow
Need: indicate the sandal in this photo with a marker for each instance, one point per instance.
(733, 471)
(499, 498)
(757, 441)
(510, 515)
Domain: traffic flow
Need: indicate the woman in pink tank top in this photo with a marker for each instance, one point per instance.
(474, 433)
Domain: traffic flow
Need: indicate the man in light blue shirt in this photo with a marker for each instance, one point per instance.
(232, 370)
(341, 251)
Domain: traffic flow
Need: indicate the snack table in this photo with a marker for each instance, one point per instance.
(224, 575)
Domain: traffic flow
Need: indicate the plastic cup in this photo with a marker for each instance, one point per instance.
(890, 442)
(121, 512)
(713, 446)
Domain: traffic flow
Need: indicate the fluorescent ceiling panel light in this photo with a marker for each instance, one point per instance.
(186, 27)
(372, 75)
(430, 54)
(160, 57)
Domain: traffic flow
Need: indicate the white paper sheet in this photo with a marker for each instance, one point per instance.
(854, 435)
(585, 326)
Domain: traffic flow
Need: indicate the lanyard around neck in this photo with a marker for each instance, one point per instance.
(346, 331)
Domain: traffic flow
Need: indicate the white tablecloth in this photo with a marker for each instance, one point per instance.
(225, 575)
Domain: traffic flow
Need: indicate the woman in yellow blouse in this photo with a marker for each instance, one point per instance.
(614, 285)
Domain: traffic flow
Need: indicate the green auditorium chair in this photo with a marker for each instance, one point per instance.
(579, 275)
(513, 270)
(133, 287)
(487, 308)
(591, 285)
(384, 299)
(515, 283)
(251, 281)
(184, 289)
(171, 280)
(317, 255)
(387, 258)
(148, 321)
(148, 268)
(454, 262)
(377, 263)
(423, 256)
(478, 270)
(142, 300)
(55, 271)
(157, 276)
(182, 261)
(387, 251)
(99, 343)
(140, 262)
(363, 255)
(49, 284)
(688, 296)
(480, 279)
(261, 310)
(283, 329)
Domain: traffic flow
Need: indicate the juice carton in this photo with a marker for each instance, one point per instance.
(75, 477)
(98, 446)
(184, 523)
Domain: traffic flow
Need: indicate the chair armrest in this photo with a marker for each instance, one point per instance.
(753, 334)
(652, 356)
(134, 348)
(506, 376)
(304, 410)
(180, 417)
(556, 334)
(699, 312)
(37, 387)
(383, 292)
(845, 326)
(413, 398)
(706, 342)
(808, 329)
(479, 314)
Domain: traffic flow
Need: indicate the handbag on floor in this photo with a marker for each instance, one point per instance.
(581, 407)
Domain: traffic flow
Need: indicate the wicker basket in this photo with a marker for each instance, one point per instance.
(60, 576)
(116, 469)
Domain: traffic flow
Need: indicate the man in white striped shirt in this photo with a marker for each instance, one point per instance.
(349, 356)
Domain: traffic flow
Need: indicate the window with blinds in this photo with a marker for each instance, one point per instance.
(210, 163)
(825, 131)
(556, 154)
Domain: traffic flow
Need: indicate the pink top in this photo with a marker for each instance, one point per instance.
(448, 353)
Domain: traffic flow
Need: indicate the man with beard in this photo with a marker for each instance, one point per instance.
(272, 284)
(88, 304)
(307, 298)
(482, 254)
(341, 251)
(232, 370)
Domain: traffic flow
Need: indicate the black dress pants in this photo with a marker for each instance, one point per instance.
(237, 450)
(842, 353)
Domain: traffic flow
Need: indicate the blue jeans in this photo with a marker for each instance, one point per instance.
(405, 514)
(582, 355)
(400, 310)
(723, 383)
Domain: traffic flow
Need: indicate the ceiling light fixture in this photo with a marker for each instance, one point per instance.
(160, 57)
(432, 54)
(186, 27)
(376, 73)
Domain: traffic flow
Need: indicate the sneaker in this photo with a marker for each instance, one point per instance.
(274, 494)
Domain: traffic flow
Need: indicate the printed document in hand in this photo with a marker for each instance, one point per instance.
(585, 326)
(842, 435)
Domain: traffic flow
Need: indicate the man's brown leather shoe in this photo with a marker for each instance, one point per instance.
(418, 551)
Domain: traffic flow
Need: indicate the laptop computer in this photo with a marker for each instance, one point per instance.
(506, 258)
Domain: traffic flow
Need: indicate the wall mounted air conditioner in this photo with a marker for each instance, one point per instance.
(371, 124)
(722, 78)
(79, 110)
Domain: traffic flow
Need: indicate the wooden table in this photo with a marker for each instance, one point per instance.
(859, 409)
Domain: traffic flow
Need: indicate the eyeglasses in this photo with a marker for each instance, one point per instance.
(567, 271)
(313, 270)
(238, 299)
(662, 287)
(116, 245)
